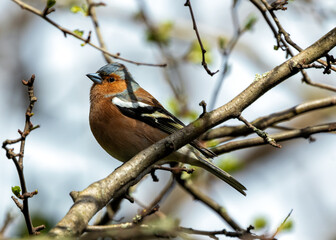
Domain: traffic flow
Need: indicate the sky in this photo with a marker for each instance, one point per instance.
(62, 155)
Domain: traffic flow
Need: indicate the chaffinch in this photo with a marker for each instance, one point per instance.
(125, 119)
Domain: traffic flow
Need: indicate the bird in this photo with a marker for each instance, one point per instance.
(126, 119)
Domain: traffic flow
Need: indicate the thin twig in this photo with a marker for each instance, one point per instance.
(283, 43)
(92, 14)
(174, 170)
(243, 234)
(160, 230)
(204, 108)
(68, 32)
(198, 195)
(153, 207)
(319, 85)
(260, 133)
(281, 30)
(8, 220)
(226, 56)
(282, 224)
(111, 209)
(204, 64)
(272, 119)
(278, 137)
(172, 74)
(18, 159)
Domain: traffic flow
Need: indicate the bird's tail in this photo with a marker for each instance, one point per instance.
(210, 167)
(197, 159)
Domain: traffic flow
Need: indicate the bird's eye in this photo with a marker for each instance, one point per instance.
(111, 79)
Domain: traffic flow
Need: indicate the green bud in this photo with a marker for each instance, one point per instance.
(250, 22)
(222, 42)
(161, 34)
(259, 223)
(78, 32)
(83, 9)
(287, 226)
(194, 54)
(16, 190)
(50, 3)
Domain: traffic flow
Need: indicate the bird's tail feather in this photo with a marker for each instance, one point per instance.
(191, 156)
(222, 175)
(210, 167)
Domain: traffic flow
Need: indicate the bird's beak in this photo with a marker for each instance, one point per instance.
(95, 77)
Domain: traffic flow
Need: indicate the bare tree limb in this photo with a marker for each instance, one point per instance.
(171, 79)
(260, 133)
(267, 7)
(66, 32)
(204, 64)
(98, 194)
(8, 220)
(198, 195)
(161, 230)
(279, 137)
(92, 14)
(271, 120)
(226, 52)
(18, 159)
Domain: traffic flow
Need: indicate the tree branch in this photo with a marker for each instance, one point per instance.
(66, 32)
(92, 14)
(204, 64)
(266, 7)
(260, 133)
(270, 120)
(18, 159)
(279, 137)
(198, 195)
(165, 229)
(98, 194)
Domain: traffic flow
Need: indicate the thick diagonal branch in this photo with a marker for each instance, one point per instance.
(98, 194)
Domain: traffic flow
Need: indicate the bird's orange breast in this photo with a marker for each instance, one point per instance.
(122, 137)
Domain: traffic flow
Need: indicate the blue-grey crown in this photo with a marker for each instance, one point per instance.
(116, 68)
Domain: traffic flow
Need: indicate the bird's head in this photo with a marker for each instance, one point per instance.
(111, 79)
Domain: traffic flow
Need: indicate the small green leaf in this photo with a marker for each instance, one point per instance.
(287, 226)
(192, 115)
(250, 22)
(83, 9)
(161, 34)
(222, 42)
(259, 223)
(189, 176)
(194, 53)
(173, 106)
(75, 9)
(78, 32)
(16, 190)
(229, 164)
(276, 48)
(212, 143)
(50, 3)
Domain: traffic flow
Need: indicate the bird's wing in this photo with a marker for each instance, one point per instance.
(147, 109)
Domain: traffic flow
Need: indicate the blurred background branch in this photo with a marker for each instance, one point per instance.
(17, 158)
(159, 32)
